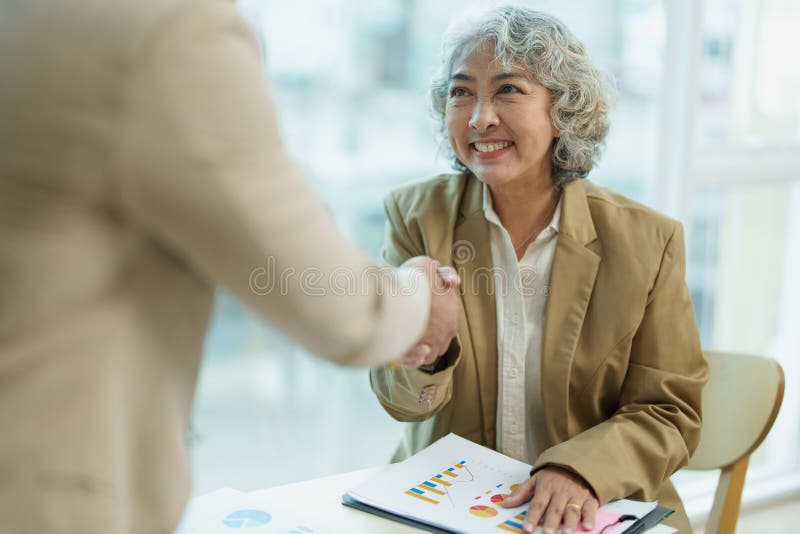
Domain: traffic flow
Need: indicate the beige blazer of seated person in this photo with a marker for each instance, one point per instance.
(622, 369)
(140, 166)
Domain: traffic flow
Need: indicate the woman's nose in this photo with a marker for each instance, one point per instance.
(484, 115)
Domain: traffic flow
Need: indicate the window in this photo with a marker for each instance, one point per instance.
(740, 199)
(749, 80)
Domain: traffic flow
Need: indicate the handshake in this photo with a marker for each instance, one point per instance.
(445, 310)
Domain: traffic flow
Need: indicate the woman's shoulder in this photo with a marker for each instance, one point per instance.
(630, 230)
(614, 210)
(430, 193)
(439, 188)
(423, 214)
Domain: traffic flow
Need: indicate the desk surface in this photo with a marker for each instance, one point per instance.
(325, 496)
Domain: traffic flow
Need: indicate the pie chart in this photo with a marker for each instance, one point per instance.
(247, 519)
(499, 498)
(482, 511)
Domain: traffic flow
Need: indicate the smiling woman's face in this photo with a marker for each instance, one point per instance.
(498, 120)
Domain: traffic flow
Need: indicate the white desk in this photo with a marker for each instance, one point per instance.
(324, 495)
(309, 507)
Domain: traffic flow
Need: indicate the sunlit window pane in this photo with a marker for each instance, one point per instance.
(749, 77)
(744, 252)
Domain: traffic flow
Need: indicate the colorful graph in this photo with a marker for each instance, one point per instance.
(433, 489)
(447, 484)
(440, 480)
(482, 511)
(420, 494)
(514, 524)
(247, 519)
(498, 498)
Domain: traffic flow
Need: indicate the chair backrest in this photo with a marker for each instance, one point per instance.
(740, 403)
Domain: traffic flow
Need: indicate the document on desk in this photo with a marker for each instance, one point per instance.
(227, 510)
(455, 485)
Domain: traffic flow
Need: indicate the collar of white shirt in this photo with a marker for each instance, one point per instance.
(491, 215)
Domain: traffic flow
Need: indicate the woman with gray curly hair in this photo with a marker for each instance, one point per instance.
(578, 350)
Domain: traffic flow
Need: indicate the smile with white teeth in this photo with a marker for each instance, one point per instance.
(491, 147)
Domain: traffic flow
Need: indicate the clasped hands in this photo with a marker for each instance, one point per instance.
(444, 312)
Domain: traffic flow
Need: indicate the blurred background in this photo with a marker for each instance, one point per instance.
(706, 129)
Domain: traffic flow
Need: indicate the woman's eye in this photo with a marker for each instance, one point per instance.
(508, 89)
(458, 91)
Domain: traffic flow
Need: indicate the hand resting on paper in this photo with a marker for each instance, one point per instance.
(556, 496)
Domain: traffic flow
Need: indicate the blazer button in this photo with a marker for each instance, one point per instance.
(427, 394)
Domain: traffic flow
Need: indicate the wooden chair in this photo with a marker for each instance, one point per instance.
(740, 404)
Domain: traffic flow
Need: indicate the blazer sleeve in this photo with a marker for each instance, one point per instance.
(201, 169)
(410, 395)
(657, 424)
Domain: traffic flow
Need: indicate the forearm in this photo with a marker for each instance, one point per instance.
(413, 395)
(201, 170)
(637, 449)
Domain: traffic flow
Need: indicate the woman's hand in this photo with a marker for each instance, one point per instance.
(557, 496)
(444, 282)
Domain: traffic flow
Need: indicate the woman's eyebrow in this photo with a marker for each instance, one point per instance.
(462, 76)
(503, 76)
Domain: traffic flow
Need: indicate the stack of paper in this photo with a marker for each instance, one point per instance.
(458, 486)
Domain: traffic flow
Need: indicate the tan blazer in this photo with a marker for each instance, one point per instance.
(622, 368)
(140, 165)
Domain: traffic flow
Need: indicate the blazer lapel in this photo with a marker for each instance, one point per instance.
(472, 256)
(572, 278)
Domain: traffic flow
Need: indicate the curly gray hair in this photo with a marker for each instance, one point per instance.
(581, 96)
